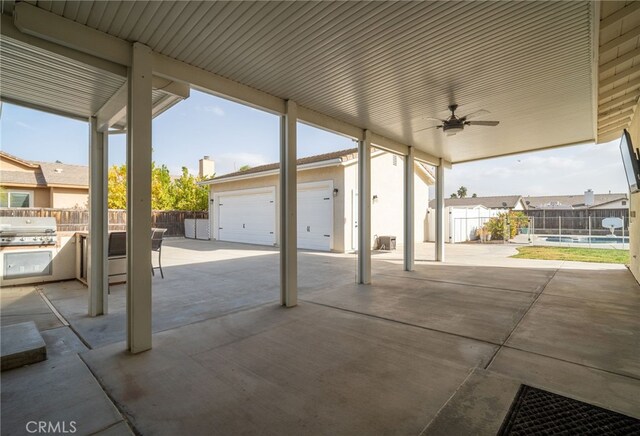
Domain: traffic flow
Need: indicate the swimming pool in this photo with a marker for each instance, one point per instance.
(588, 239)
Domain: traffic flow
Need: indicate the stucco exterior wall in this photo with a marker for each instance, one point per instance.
(69, 198)
(620, 204)
(41, 196)
(634, 207)
(387, 210)
(333, 174)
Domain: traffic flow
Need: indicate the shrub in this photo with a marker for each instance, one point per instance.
(496, 225)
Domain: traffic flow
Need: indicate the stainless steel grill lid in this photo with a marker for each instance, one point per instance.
(11, 225)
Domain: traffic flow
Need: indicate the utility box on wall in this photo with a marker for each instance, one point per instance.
(386, 243)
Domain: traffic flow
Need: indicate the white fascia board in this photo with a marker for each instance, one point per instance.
(310, 166)
(9, 30)
(73, 116)
(595, 60)
(37, 22)
(325, 122)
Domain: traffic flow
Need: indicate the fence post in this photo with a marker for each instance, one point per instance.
(560, 229)
(589, 218)
(623, 232)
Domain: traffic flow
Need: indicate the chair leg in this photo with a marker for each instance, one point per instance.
(160, 263)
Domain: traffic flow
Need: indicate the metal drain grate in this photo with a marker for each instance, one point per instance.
(538, 412)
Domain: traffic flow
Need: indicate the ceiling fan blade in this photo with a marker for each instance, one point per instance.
(476, 114)
(483, 123)
(426, 128)
(440, 120)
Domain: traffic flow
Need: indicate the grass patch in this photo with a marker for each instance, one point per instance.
(601, 255)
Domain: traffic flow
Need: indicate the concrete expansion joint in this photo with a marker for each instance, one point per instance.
(453, 394)
(119, 407)
(515, 327)
(368, 315)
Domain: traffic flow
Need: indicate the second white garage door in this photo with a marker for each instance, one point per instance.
(247, 216)
(315, 216)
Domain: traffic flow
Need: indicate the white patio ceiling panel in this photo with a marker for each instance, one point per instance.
(386, 65)
(40, 78)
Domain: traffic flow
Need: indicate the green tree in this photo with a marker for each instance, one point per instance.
(474, 195)
(161, 192)
(117, 188)
(244, 168)
(462, 192)
(187, 194)
(454, 195)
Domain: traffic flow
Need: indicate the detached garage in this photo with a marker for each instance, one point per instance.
(243, 205)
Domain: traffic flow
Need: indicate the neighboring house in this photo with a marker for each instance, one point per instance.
(244, 204)
(464, 216)
(588, 200)
(501, 203)
(26, 183)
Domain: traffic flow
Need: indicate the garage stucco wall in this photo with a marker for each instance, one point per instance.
(333, 174)
(634, 206)
(387, 210)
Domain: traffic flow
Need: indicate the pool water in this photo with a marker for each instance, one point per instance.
(589, 239)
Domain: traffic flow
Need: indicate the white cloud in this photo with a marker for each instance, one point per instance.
(569, 170)
(217, 110)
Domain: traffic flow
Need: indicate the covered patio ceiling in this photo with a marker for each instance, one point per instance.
(383, 66)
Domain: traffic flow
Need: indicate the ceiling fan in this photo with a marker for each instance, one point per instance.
(454, 124)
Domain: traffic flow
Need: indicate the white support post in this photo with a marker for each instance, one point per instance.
(364, 209)
(139, 200)
(98, 272)
(288, 207)
(440, 212)
(409, 215)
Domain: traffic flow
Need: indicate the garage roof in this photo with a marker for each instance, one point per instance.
(385, 66)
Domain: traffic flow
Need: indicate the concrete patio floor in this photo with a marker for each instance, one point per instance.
(436, 350)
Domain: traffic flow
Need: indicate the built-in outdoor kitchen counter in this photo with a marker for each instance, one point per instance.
(33, 251)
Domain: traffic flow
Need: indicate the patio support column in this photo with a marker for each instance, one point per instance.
(139, 200)
(364, 209)
(409, 215)
(98, 275)
(288, 207)
(440, 212)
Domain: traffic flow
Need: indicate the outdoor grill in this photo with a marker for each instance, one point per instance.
(27, 231)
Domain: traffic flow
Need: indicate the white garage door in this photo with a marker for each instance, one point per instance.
(315, 216)
(247, 217)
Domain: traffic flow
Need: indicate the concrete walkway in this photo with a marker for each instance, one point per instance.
(424, 351)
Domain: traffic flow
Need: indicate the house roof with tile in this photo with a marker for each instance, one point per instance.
(44, 174)
(494, 202)
(570, 201)
(349, 154)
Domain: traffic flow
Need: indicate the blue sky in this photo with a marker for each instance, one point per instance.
(235, 135)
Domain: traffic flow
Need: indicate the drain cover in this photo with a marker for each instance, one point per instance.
(538, 412)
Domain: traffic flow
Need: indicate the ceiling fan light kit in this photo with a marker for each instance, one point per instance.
(454, 124)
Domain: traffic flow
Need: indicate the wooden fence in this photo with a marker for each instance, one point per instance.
(73, 220)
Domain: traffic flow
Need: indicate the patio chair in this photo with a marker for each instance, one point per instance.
(157, 235)
(117, 249)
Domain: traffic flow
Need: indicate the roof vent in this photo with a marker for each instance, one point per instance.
(504, 204)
